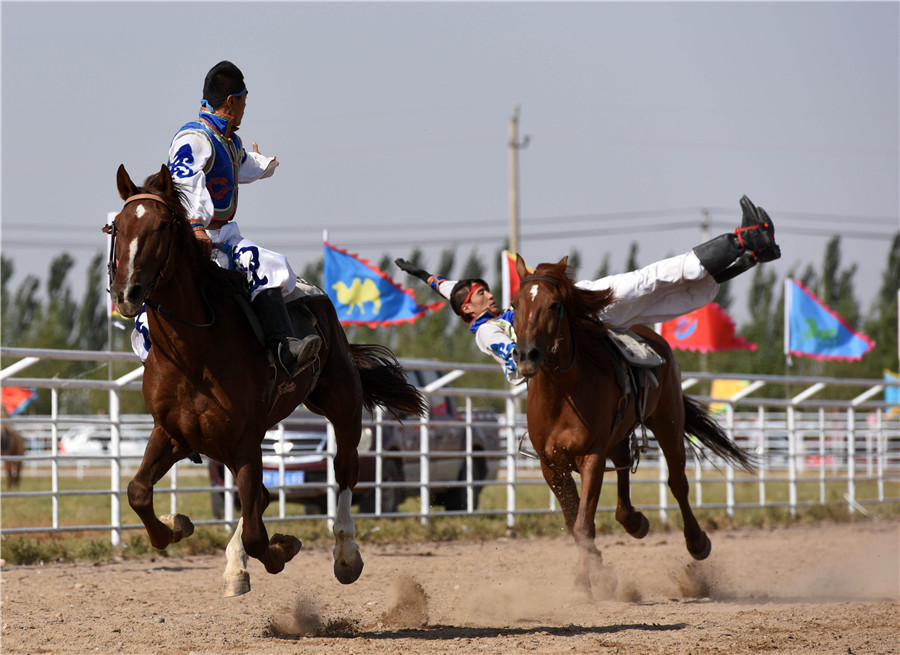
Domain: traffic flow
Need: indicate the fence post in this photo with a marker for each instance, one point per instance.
(331, 493)
(470, 490)
(511, 473)
(851, 460)
(792, 461)
(54, 463)
(729, 469)
(228, 483)
(424, 470)
(379, 457)
(115, 467)
(663, 495)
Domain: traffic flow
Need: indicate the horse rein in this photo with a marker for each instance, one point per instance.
(555, 283)
(112, 264)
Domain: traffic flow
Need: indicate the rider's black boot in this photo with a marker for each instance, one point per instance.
(729, 255)
(292, 353)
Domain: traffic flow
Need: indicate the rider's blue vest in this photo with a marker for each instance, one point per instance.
(222, 168)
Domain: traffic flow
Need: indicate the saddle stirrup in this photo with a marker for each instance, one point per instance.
(293, 354)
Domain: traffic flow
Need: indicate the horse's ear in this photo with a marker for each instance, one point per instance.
(521, 268)
(164, 180)
(564, 262)
(124, 184)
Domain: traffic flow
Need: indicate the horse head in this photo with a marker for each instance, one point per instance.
(142, 237)
(539, 312)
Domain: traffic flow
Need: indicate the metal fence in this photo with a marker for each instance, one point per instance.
(833, 433)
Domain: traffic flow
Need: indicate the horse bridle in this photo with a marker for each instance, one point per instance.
(555, 283)
(112, 265)
(112, 230)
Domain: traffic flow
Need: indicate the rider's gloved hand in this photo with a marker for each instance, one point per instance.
(408, 267)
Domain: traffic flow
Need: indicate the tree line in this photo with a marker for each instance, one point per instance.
(45, 314)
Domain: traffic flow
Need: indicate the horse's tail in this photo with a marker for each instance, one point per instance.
(699, 423)
(384, 383)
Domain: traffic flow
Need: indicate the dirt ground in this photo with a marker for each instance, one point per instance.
(827, 589)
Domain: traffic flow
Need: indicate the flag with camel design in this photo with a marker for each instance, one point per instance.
(364, 295)
(813, 329)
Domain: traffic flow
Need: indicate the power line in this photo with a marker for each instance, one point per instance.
(630, 216)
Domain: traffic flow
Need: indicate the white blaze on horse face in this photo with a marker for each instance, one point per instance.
(140, 211)
(132, 253)
(534, 292)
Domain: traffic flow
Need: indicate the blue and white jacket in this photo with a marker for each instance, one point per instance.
(208, 162)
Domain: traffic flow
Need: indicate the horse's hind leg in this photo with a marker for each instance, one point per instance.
(671, 442)
(634, 522)
(160, 455)
(348, 563)
(346, 417)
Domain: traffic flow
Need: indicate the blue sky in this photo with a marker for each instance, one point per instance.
(390, 121)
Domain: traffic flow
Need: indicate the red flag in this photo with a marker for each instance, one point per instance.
(708, 329)
(16, 399)
(509, 276)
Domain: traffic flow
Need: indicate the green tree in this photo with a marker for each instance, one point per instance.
(882, 323)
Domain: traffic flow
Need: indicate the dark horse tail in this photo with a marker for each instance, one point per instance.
(699, 423)
(384, 383)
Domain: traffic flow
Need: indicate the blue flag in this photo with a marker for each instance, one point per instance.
(363, 295)
(814, 330)
(892, 393)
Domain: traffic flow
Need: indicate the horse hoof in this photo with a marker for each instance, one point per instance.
(289, 544)
(348, 572)
(237, 586)
(643, 528)
(179, 524)
(703, 553)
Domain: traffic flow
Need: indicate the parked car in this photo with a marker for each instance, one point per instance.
(301, 441)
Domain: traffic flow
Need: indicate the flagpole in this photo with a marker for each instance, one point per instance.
(787, 324)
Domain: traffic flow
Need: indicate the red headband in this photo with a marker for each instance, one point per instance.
(472, 290)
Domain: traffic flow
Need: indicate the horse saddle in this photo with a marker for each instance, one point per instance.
(302, 291)
(635, 362)
(633, 349)
(303, 321)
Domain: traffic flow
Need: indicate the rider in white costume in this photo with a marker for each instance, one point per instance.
(208, 162)
(659, 292)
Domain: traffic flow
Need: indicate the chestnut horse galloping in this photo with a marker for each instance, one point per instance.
(578, 416)
(211, 388)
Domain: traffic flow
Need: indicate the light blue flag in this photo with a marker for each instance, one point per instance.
(363, 295)
(892, 393)
(816, 331)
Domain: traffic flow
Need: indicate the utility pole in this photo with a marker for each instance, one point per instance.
(514, 146)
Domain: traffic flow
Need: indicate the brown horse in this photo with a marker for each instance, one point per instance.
(12, 444)
(578, 416)
(212, 388)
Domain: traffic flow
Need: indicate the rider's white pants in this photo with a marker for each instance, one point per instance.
(262, 268)
(659, 292)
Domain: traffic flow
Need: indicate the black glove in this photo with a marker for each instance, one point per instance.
(420, 273)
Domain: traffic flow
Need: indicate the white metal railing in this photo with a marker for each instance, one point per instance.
(808, 438)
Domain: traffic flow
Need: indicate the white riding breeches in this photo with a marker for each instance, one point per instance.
(263, 269)
(656, 293)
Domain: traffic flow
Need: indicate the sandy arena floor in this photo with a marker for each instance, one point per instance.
(828, 589)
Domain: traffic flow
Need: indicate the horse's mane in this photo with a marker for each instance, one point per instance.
(582, 307)
(213, 275)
